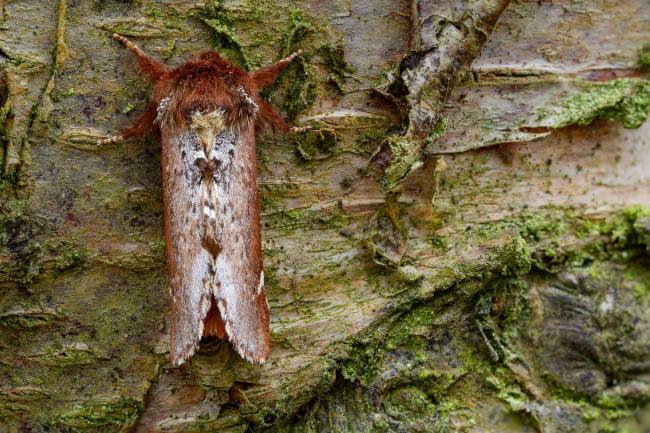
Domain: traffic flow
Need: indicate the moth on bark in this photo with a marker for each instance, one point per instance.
(208, 112)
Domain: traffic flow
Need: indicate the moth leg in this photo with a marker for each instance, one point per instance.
(149, 66)
(144, 124)
(140, 128)
(266, 76)
(268, 116)
(299, 129)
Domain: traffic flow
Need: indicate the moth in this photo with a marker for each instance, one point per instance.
(208, 112)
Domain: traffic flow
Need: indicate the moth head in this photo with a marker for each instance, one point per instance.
(208, 125)
(210, 82)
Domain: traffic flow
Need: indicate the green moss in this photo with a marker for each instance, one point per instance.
(129, 107)
(514, 257)
(624, 233)
(408, 401)
(334, 61)
(626, 228)
(362, 364)
(510, 259)
(298, 27)
(68, 256)
(316, 143)
(409, 274)
(631, 111)
(506, 390)
(301, 91)
(14, 221)
(644, 58)
(368, 141)
(56, 97)
(543, 225)
(641, 227)
(270, 202)
(438, 130)
(224, 39)
(412, 323)
(25, 265)
(406, 157)
(158, 247)
(272, 194)
(99, 414)
(33, 259)
(640, 289)
(625, 100)
(288, 221)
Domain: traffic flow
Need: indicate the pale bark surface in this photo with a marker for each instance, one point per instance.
(491, 277)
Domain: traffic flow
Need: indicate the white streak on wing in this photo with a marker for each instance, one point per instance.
(248, 99)
(163, 105)
(209, 212)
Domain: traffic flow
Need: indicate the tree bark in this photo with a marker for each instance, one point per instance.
(459, 241)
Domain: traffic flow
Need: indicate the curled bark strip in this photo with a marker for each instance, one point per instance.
(445, 49)
(455, 45)
(18, 150)
(445, 44)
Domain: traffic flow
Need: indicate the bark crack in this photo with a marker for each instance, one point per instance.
(43, 107)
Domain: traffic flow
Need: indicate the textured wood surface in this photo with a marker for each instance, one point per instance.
(518, 304)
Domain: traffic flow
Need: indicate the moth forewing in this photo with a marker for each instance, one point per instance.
(215, 236)
(239, 267)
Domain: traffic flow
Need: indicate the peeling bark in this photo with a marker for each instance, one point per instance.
(445, 47)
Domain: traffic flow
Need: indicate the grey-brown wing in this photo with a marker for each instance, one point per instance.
(189, 263)
(213, 234)
(239, 277)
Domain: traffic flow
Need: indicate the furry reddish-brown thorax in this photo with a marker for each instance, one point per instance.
(204, 84)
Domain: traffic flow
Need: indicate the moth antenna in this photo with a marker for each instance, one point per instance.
(149, 66)
(110, 140)
(265, 76)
